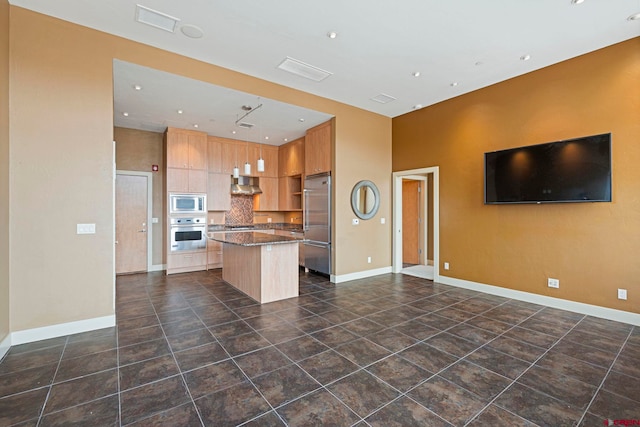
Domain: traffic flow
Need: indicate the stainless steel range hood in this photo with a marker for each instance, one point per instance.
(245, 186)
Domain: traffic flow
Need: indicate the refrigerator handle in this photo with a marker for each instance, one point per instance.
(305, 215)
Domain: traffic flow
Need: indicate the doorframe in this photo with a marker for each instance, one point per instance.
(149, 177)
(397, 216)
(424, 212)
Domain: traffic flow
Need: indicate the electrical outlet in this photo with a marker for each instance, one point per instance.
(369, 259)
(446, 265)
(553, 283)
(269, 220)
(383, 220)
(622, 294)
(154, 220)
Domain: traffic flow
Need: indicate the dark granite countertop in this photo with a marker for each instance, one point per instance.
(268, 226)
(252, 238)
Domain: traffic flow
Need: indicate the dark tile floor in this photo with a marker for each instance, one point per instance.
(392, 350)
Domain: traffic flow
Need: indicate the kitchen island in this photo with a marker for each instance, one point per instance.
(263, 266)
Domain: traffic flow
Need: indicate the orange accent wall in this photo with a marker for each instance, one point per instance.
(592, 248)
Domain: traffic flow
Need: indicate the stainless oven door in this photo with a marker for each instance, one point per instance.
(188, 238)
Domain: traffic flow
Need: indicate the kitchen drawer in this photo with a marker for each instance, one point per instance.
(214, 259)
(187, 260)
(213, 246)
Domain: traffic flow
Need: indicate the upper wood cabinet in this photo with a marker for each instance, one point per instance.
(186, 180)
(268, 200)
(291, 158)
(234, 153)
(270, 157)
(214, 153)
(317, 155)
(186, 149)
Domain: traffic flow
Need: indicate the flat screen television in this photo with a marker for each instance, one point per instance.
(574, 170)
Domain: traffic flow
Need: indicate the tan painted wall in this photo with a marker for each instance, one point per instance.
(591, 247)
(137, 150)
(61, 140)
(4, 169)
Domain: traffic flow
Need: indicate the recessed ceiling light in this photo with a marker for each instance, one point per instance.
(286, 140)
(266, 137)
(125, 114)
(634, 17)
(332, 34)
(180, 111)
(137, 87)
(576, 1)
(525, 57)
(195, 125)
(192, 31)
(417, 106)
(233, 132)
(416, 74)
(454, 84)
(479, 63)
(301, 120)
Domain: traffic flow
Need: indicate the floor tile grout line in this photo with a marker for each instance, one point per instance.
(533, 363)
(184, 381)
(606, 376)
(46, 399)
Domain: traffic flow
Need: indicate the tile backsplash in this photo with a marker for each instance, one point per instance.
(241, 211)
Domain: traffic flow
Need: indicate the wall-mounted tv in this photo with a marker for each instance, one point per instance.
(574, 170)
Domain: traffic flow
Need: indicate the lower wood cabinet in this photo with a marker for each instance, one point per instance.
(214, 254)
(186, 261)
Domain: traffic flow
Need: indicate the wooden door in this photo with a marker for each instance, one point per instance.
(131, 223)
(410, 222)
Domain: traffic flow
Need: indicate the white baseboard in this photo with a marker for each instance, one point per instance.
(158, 267)
(359, 275)
(563, 304)
(62, 329)
(5, 345)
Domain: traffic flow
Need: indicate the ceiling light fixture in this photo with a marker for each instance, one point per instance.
(479, 63)
(195, 125)
(634, 17)
(416, 74)
(180, 111)
(417, 106)
(125, 114)
(525, 57)
(454, 84)
(192, 31)
(332, 34)
(577, 1)
(301, 120)
(137, 87)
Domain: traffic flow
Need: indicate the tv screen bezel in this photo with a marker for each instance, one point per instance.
(538, 202)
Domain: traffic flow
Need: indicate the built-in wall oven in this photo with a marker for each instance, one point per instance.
(187, 233)
(187, 204)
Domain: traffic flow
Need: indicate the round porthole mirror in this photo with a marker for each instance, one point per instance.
(365, 199)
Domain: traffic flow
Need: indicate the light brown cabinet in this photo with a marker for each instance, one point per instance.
(317, 150)
(268, 200)
(214, 154)
(291, 158)
(187, 261)
(290, 193)
(270, 157)
(214, 254)
(219, 192)
(229, 156)
(186, 161)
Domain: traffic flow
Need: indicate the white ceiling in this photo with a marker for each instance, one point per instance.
(379, 44)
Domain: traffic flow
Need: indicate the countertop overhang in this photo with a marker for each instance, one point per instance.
(252, 238)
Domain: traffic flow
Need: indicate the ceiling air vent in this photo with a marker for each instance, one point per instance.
(245, 125)
(301, 69)
(156, 19)
(383, 98)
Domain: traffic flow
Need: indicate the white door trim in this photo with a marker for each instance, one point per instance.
(149, 176)
(397, 216)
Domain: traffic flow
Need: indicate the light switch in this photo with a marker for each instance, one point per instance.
(382, 220)
(85, 229)
(154, 220)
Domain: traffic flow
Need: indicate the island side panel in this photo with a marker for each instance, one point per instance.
(241, 269)
(279, 271)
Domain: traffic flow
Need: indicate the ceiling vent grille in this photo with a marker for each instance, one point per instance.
(156, 19)
(245, 125)
(383, 98)
(301, 69)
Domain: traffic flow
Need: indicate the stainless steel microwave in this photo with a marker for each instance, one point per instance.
(187, 204)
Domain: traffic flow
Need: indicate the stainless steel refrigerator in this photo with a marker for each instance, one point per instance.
(317, 223)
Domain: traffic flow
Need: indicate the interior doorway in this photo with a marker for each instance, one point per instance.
(415, 222)
(133, 217)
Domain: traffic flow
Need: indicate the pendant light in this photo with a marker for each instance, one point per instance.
(260, 165)
(247, 165)
(236, 169)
